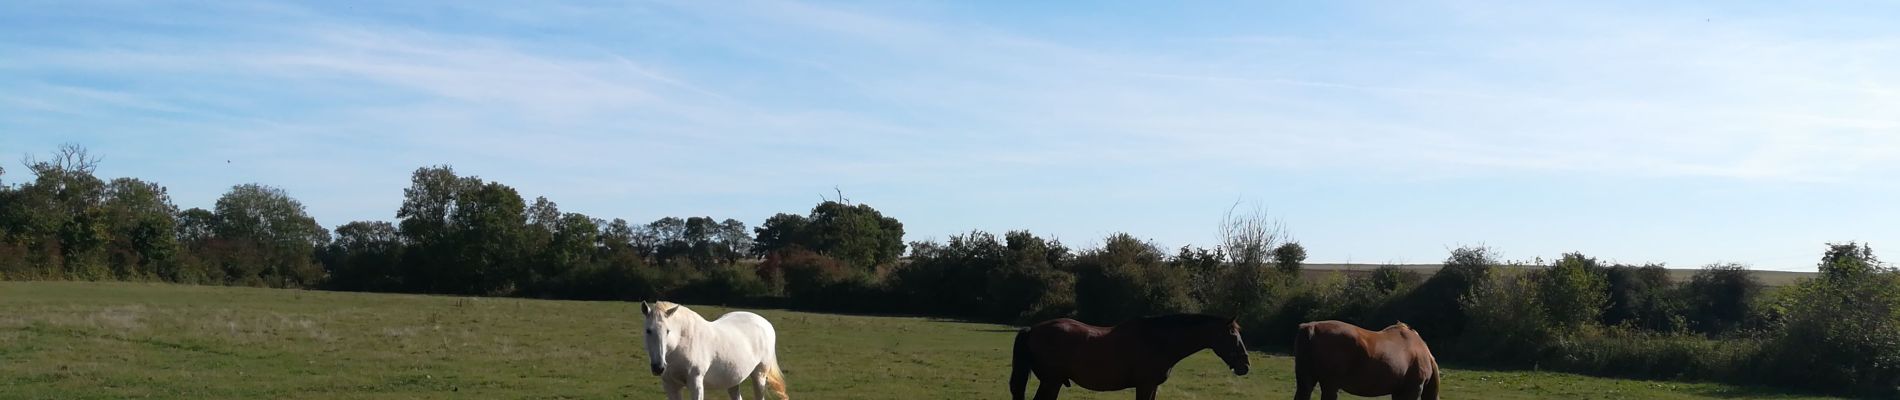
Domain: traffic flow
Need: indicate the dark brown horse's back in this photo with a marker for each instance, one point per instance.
(1339, 356)
(1136, 354)
(1058, 347)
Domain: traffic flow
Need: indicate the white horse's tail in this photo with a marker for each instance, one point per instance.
(775, 379)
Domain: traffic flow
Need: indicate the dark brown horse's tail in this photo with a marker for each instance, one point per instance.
(1020, 365)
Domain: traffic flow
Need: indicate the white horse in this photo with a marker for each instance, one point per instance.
(688, 352)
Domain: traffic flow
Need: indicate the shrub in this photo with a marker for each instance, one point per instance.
(13, 262)
(1378, 294)
(1644, 298)
(193, 269)
(1505, 322)
(1029, 287)
(1842, 331)
(1126, 279)
(1363, 299)
(1027, 295)
(1629, 353)
(1206, 269)
(1573, 291)
(807, 274)
(1286, 306)
(1848, 260)
(856, 234)
(665, 279)
(818, 282)
(610, 281)
(951, 278)
(1246, 289)
(1435, 307)
(725, 284)
(1720, 298)
(1288, 257)
(1367, 300)
(1248, 284)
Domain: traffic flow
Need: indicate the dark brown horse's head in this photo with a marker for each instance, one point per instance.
(1225, 340)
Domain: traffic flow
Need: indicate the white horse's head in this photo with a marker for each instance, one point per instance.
(661, 333)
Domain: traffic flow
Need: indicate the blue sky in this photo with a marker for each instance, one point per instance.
(1686, 133)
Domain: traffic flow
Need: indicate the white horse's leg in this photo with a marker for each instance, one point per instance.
(672, 389)
(696, 386)
(758, 382)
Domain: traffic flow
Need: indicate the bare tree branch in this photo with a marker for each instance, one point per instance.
(1249, 238)
(70, 158)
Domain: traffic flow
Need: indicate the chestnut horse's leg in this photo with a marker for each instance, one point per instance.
(1145, 393)
(1406, 393)
(1304, 377)
(1303, 388)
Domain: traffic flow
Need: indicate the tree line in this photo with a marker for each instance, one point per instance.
(462, 235)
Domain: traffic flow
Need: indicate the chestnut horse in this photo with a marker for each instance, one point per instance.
(1339, 356)
(1138, 353)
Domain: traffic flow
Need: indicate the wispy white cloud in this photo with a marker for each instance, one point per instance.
(761, 97)
(1570, 93)
(1645, 101)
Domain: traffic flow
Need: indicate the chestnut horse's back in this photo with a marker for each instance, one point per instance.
(1339, 356)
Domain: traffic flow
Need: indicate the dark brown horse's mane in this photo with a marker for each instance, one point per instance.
(1172, 321)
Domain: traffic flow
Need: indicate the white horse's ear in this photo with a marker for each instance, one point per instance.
(670, 311)
(646, 308)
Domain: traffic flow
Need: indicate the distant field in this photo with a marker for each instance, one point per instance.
(1770, 278)
(122, 340)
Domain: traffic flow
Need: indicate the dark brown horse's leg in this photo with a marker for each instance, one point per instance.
(1145, 393)
(1048, 389)
(1328, 392)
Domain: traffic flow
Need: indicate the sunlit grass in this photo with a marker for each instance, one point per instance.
(126, 340)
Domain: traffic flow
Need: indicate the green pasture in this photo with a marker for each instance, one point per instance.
(67, 340)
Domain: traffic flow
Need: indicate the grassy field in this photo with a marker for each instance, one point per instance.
(122, 340)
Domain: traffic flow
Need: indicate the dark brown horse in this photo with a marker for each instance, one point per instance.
(1136, 354)
(1339, 356)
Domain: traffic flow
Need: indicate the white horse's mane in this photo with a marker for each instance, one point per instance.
(666, 307)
